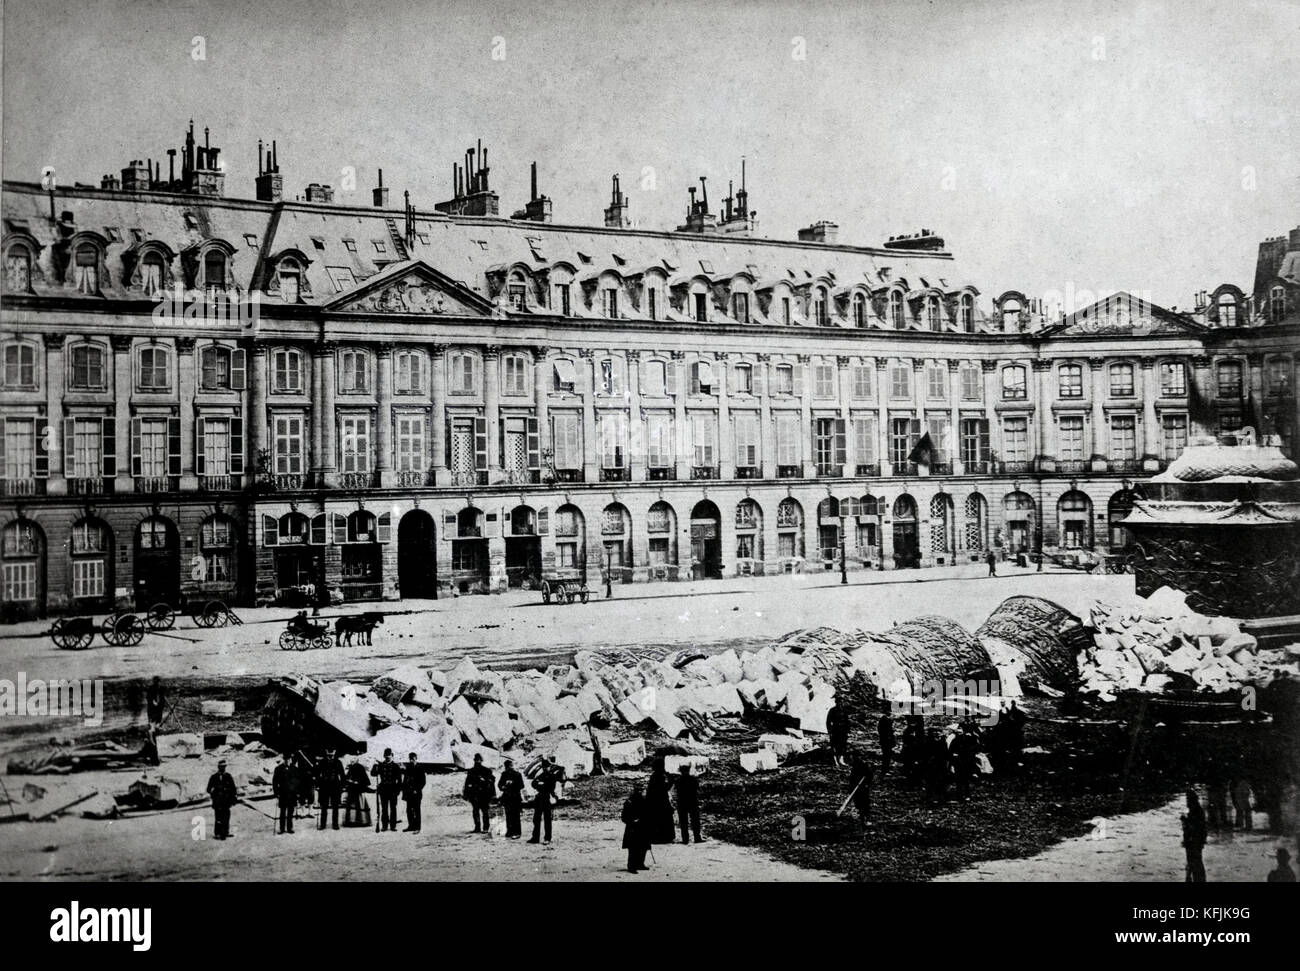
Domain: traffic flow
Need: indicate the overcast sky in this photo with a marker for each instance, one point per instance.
(1145, 146)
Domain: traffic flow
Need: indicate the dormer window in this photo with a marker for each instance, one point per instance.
(86, 269)
(966, 313)
(18, 269)
(214, 273)
(701, 307)
(740, 307)
(1227, 310)
(859, 311)
(609, 301)
(896, 309)
(151, 274)
(820, 309)
(933, 318)
(1276, 304)
(290, 275)
(1010, 316)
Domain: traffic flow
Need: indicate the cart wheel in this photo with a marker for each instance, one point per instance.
(287, 641)
(160, 617)
(83, 640)
(585, 595)
(546, 592)
(322, 641)
(214, 614)
(60, 636)
(129, 630)
(108, 630)
(301, 643)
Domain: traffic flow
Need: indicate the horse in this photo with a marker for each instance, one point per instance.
(362, 624)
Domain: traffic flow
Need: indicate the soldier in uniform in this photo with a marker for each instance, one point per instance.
(413, 792)
(837, 727)
(688, 803)
(548, 777)
(389, 774)
(285, 784)
(965, 747)
(221, 787)
(480, 787)
(635, 838)
(512, 799)
(329, 780)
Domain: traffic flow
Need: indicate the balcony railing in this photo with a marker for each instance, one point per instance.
(1124, 465)
(941, 468)
(1016, 467)
(704, 472)
(749, 472)
(905, 468)
(866, 470)
(469, 477)
(157, 483)
(978, 468)
(413, 478)
(91, 486)
(789, 471)
(358, 480)
(662, 473)
(469, 532)
(22, 487)
(1072, 466)
(521, 476)
(570, 475)
(832, 470)
(220, 483)
(615, 475)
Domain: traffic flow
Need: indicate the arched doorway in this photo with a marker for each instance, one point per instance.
(523, 548)
(417, 558)
(1018, 513)
(470, 565)
(1074, 513)
(789, 533)
(661, 525)
(907, 546)
(749, 538)
(157, 563)
(22, 570)
(942, 540)
(616, 535)
(828, 532)
(706, 541)
(91, 569)
(1117, 510)
(570, 542)
(977, 523)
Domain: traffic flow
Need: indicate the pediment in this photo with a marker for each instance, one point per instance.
(1122, 314)
(412, 287)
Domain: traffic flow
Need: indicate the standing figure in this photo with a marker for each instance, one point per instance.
(837, 728)
(155, 703)
(480, 787)
(688, 803)
(285, 784)
(544, 783)
(992, 560)
(511, 785)
(413, 792)
(221, 787)
(860, 787)
(358, 782)
(885, 729)
(965, 747)
(913, 753)
(635, 839)
(1216, 794)
(329, 782)
(1194, 837)
(937, 769)
(389, 776)
(1283, 872)
(1241, 803)
(659, 808)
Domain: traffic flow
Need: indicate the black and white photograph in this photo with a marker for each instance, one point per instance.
(639, 443)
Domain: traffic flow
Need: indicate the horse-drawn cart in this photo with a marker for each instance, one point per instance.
(73, 633)
(204, 613)
(564, 590)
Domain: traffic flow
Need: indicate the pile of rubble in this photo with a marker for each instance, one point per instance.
(1160, 644)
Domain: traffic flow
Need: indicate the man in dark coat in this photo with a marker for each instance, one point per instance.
(389, 775)
(992, 560)
(635, 839)
(413, 780)
(548, 777)
(913, 754)
(688, 803)
(480, 787)
(329, 781)
(860, 787)
(221, 787)
(934, 756)
(286, 784)
(963, 751)
(885, 729)
(511, 785)
(837, 727)
(1194, 836)
(658, 807)
(155, 703)
(358, 782)
(1283, 872)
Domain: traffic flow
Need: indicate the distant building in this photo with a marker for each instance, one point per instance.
(401, 403)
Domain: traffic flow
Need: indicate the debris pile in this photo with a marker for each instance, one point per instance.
(1160, 644)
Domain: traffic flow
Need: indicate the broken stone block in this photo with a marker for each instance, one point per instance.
(752, 692)
(1185, 660)
(627, 710)
(181, 745)
(494, 726)
(726, 699)
(784, 745)
(576, 760)
(728, 665)
(756, 668)
(431, 748)
(696, 764)
(763, 760)
(217, 709)
(463, 756)
(1236, 642)
(629, 753)
(1152, 661)
(668, 723)
(463, 717)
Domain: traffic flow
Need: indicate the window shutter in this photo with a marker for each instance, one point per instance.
(199, 461)
(136, 464)
(841, 445)
(339, 524)
(543, 520)
(756, 375)
(2, 445)
(534, 444)
(797, 375)
(270, 531)
(984, 441)
(384, 528)
(503, 517)
(237, 446)
(108, 446)
(643, 375)
(501, 437)
(173, 446)
(449, 526)
(446, 442)
(480, 444)
(238, 368)
(670, 377)
(69, 446)
(42, 450)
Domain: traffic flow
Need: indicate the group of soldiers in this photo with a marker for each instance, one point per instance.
(296, 780)
(938, 761)
(648, 813)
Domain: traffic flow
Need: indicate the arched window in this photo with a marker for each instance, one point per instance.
(151, 273)
(1011, 309)
(1227, 310)
(86, 269)
(1074, 512)
(18, 269)
(214, 273)
(290, 274)
(87, 370)
(155, 368)
(977, 526)
(656, 379)
(933, 314)
(1014, 385)
(896, 309)
(966, 313)
(1070, 378)
(859, 311)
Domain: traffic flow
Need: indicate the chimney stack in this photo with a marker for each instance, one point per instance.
(470, 193)
(823, 231)
(538, 209)
(270, 184)
(616, 211)
(316, 192)
(380, 193)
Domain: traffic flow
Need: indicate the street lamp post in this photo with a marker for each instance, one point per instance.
(844, 568)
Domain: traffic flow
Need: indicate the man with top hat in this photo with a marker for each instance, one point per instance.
(329, 780)
(389, 774)
(221, 787)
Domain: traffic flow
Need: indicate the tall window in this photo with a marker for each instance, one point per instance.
(156, 442)
(701, 302)
(515, 294)
(286, 368)
(609, 298)
(896, 309)
(821, 308)
(151, 274)
(90, 447)
(702, 378)
(1010, 316)
(1230, 379)
(222, 446)
(562, 304)
(862, 380)
(18, 457)
(659, 440)
(788, 451)
(516, 375)
(747, 442)
(410, 443)
(86, 367)
(461, 371)
(287, 431)
(1014, 386)
(900, 380)
(1071, 438)
(1121, 380)
(611, 377)
(408, 370)
(974, 441)
(155, 368)
(214, 272)
(966, 313)
(18, 270)
(354, 443)
(1276, 304)
(936, 378)
(939, 425)
(784, 379)
(744, 376)
(566, 435)
(86, 269)
(824, 381)
(290, 281)
(652, 303)
(1123, 437)
(1173, 379)
(785, 310)
(1015, 438)
(859, 311)
(933, 315)
(656, 385)
(740, 307)
(903, 433)
(1173, 436)
(1228, 310)
(355, 371)
(20, 366)
(704, 439)
(1277, 378)
(829, 445)
(1070, 378)
(217, 542)
(613, 440)
(972, 383)
(221, 368)
(864, 440)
